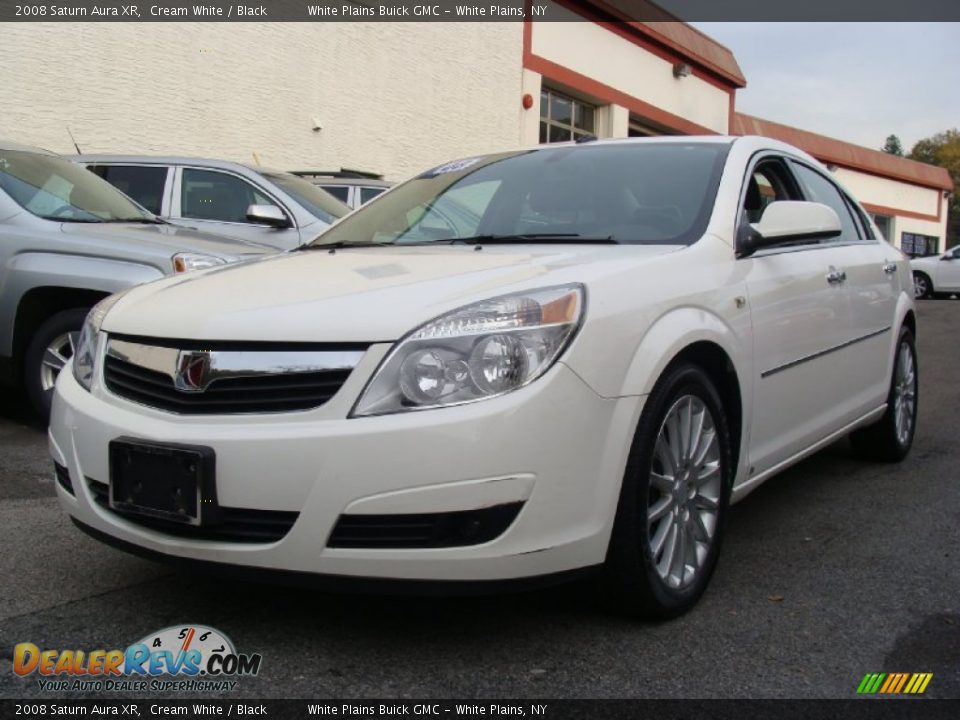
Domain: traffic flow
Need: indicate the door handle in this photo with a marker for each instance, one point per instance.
(835, 276)
(890, 268)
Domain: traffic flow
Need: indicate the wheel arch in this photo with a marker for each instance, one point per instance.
(698, 336)
(40, 303)
(719, 367)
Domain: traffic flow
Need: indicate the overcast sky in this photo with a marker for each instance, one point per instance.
(854, 81)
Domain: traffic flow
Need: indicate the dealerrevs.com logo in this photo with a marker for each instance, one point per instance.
(198, 658)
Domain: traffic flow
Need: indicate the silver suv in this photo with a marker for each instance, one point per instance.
(354, 187)
(67, 240)
(271, 207)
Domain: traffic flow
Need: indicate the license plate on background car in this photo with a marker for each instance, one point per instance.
(169, 482)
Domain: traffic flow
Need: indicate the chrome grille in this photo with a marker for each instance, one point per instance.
(222, 378)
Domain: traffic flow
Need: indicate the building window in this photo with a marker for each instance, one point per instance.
(563, 119)
(918, 245)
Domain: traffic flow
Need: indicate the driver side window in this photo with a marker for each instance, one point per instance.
(769, 182)
(211, 195)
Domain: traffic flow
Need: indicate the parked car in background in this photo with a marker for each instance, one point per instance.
(354, 187)
(629, 336)
(235, 200)
(67, 240)
(937, 274)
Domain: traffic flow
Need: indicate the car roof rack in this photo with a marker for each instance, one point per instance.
(341, 173)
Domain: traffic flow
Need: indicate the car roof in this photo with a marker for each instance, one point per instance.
(174, 160)
(10, 145)
(330, 180)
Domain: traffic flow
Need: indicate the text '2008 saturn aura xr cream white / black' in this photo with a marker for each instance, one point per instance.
(519, 366)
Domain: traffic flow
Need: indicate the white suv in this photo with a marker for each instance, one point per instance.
(520, 366)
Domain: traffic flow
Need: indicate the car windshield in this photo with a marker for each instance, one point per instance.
(316, 200)
(641, 193)
(53, 188)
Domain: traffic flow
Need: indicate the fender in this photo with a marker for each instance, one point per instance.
(31, 270)
(905, 304)
(678, 329)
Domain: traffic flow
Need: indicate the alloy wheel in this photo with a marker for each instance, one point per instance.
(904, 393)
(58, 352)
(685, 488)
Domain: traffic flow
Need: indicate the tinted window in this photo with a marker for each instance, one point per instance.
(340, 192)
(862, 217)
(143, 184)
(769, 182)
(369, 193)
(209, 195)
(652, 193)
(53, 188)
(316, 200)
(821, 190)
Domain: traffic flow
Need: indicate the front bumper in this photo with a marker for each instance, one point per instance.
(555, 445)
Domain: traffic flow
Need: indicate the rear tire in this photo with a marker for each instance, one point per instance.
(673, 500)
(922, 286)
(50, 347)
(890, 438)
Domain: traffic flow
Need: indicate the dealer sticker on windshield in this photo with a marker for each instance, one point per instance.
(451, 167)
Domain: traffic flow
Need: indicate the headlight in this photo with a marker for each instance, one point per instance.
(85, 355)
(185, 262)
(477, 352)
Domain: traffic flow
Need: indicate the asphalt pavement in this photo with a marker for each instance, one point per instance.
(834, 569)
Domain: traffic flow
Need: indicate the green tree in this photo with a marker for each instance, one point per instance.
(893, 146)
(943, 149)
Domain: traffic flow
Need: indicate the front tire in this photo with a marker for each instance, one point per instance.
(922, 286)
(890, 438)
(50, 348)
(673, 501)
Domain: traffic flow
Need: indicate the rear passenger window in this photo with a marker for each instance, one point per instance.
(340, 192)
(862, 217)
(819, 189)
(143, 184)
(369, 193)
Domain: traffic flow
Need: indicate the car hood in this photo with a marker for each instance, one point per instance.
(354, 295)
(164, 238)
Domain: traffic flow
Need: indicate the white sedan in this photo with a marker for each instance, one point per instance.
(516, 367)
(937, 274)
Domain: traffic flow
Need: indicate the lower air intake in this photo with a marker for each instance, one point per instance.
(427, 530)
(239, 525)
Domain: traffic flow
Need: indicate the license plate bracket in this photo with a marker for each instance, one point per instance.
(166, 481)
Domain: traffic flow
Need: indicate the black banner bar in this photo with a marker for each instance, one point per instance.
(854, 709)
(475, 10)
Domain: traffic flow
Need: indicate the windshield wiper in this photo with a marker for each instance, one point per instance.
(331, 247)
(551, 238)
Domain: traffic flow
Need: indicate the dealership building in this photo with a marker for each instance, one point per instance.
(396, 98)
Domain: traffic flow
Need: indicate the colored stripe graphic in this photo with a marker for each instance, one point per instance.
(894, 683)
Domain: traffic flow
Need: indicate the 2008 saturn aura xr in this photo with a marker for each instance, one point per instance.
(511, 367)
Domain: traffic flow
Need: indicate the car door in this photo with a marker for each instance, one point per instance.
(948, 271)
(870, 273)
(800, 314)
(216, 201)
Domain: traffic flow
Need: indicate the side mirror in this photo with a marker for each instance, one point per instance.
(269, 215)
(786, 221)
(949, 256)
